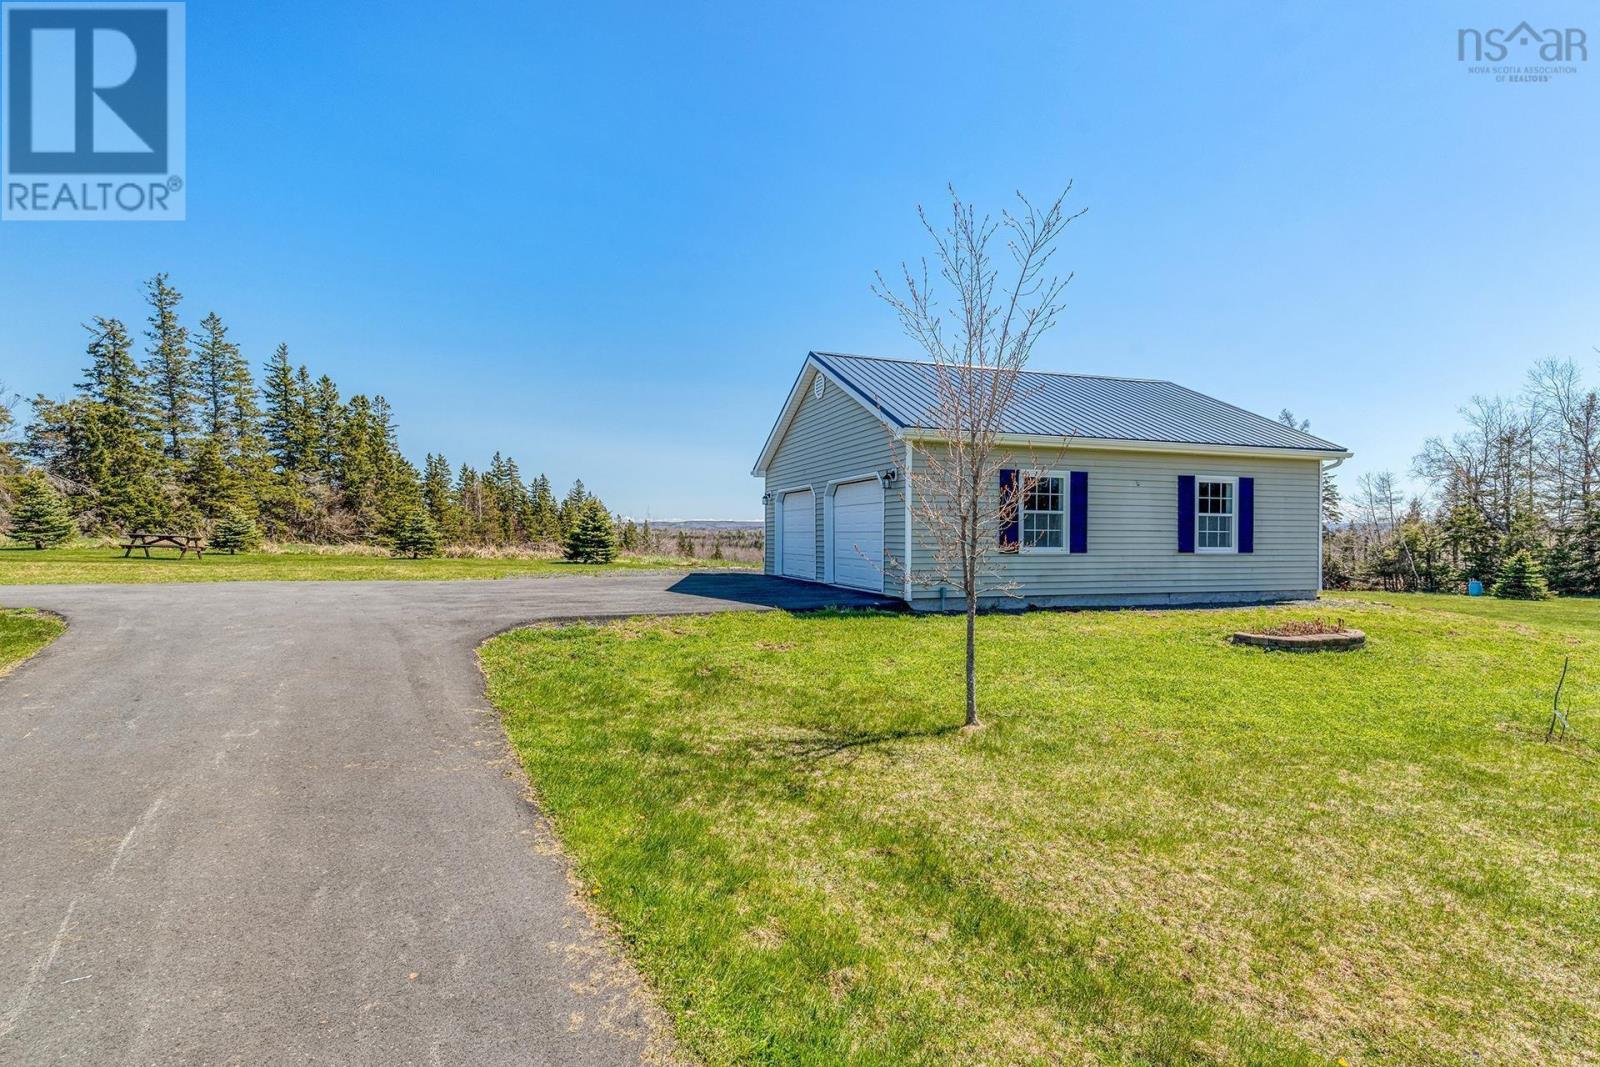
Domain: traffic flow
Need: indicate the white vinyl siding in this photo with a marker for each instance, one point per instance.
(1133, 532)
(830, 439)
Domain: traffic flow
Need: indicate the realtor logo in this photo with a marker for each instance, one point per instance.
(93, 110)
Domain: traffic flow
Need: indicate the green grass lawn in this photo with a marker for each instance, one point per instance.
(1564, 613)
(92, 563)
(1161, 849)
(24, 632)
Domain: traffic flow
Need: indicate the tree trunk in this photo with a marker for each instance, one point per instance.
(972, 661)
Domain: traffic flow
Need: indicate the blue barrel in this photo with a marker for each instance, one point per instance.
(1474, 588)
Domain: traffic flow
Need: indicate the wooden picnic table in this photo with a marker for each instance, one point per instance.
(184, 543)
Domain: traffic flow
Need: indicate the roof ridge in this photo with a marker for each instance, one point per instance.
(1025, 370)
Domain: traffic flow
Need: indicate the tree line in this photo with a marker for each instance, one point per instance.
(1512, 500)
(186, 439)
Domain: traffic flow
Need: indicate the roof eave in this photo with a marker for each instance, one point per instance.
(1113, 444)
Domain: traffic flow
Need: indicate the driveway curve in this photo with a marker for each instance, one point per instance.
(264, 822)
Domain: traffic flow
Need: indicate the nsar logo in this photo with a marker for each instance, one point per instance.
(1523, 54)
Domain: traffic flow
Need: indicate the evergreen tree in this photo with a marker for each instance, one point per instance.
(214, 488)
(628, 540)
(572, 507)
(235, 532)
(504, 482)
(592, 538)
(414, 535)
(216, 363)
(546, 514)
(310, 445)
(1471, 543)
(284, 422)
(1521, 578)
(170, 368)
(113, 376)
(40, 516)
(243, 417)
(102, 444)
(469, 504)
(326, 414)
(439, 497)
(358, 467)
(1332, 504)
(685, 544)
(1586, 550)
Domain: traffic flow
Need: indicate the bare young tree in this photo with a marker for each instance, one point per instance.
(978, 361)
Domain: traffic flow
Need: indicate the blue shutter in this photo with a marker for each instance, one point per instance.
(1078, 513)
(1185, 513)
(1011, 512)
(1247, 514)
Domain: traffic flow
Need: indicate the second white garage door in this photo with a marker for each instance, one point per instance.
(858, 535)
(799, 536)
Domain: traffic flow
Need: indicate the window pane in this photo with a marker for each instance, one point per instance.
(1042, 494)
(1043, 512)
(1215, 498)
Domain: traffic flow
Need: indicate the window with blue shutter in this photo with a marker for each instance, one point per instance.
(1247, 514)
(1009, 511)
(1078, 512)
(1185, 513)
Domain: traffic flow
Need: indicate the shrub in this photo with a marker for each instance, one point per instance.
(40, 515)
(415, 535)
(593, 538)
(235, 533)
(1521, 578)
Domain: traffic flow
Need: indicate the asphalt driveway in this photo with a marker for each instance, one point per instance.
(277, 823)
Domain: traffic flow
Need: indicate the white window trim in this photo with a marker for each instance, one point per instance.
(1023, 548)
(827, 518)
(1233, 480)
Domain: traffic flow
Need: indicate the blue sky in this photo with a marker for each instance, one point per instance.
(602, 237)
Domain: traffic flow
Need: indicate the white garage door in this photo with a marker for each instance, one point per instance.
(799, 536)
(858, 535)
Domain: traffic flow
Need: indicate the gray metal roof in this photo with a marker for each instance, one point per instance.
(1080, 405)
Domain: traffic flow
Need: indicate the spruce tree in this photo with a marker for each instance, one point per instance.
(546, 515)
(113, 377)
(1521, 578)
(214, 488)
(40, 516)
(439, 498)
(592, 538)
(414, 535)
(170, 368)
(1586, 550)
(235, 532)
(309, 445)
(216, 361)
(572, 507)
(282, 402)
(469, 504)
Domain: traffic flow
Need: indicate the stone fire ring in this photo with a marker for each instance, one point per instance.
(1341, 642)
